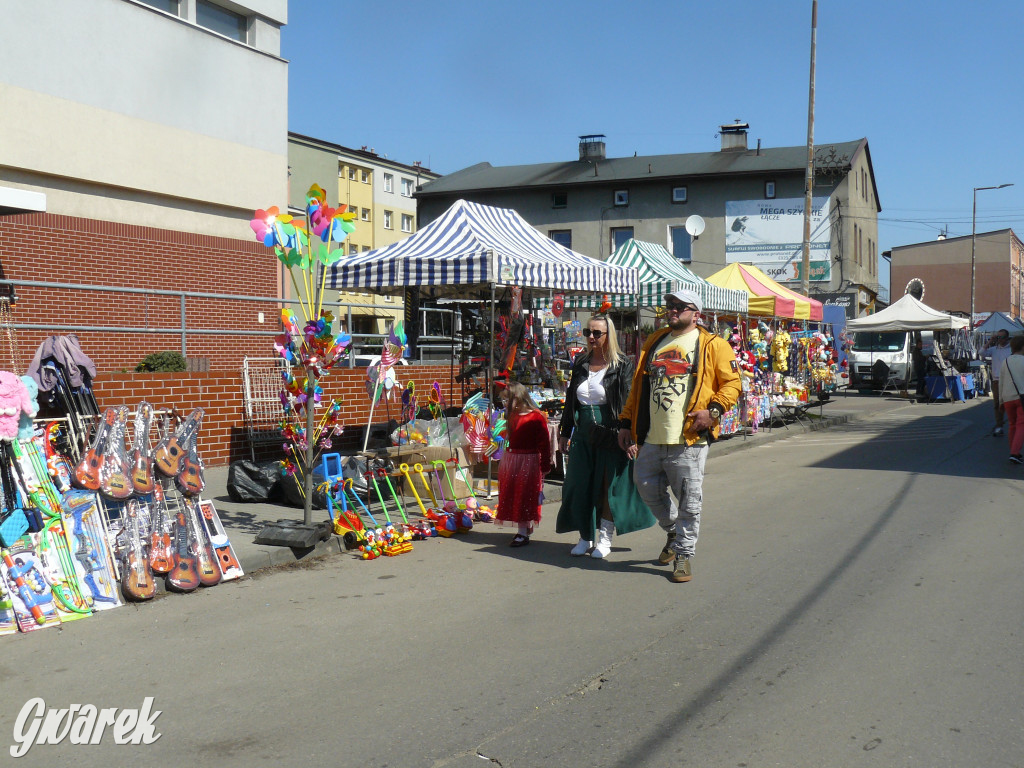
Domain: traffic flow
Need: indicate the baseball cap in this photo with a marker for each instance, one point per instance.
(686, 296)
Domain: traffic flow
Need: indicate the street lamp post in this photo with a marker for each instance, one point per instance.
(974, 219)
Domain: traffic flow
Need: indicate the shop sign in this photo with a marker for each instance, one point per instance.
(821, 271)
(844, 300)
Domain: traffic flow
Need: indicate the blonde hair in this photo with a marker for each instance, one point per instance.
(613, 353)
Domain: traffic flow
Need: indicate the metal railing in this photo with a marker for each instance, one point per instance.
(364, 344)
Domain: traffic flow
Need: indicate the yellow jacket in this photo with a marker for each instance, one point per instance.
(718, 381)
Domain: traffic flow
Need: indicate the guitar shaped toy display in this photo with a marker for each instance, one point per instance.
(226, 558)
(115, 468)
(161, 551)
(136, 580)
(184, 576)
(173, 448)
(142, 450)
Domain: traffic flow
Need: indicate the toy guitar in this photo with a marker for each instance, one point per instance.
(115, 468)
(184, 576)
(136, 580)
(87, 472)
(142, 450)
(226, 558)
(174, 447)
(190, 479)
(161, 553)
(206, 561)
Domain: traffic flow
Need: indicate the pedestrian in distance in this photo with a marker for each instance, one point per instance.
(685, 380)
(1011, 386)
(526, 461)
(598, 495)
(998, 350)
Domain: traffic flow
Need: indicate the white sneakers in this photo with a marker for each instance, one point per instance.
(604, 539)
(581, 548)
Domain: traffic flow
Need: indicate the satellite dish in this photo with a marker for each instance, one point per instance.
(694, 225)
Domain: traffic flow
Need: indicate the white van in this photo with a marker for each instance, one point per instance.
(891, 347)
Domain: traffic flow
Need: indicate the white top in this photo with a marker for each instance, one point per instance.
(999, 355)
(1013, 369)
(591, 391)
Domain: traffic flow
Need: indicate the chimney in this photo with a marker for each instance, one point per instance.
(592, 147)
(734, 137)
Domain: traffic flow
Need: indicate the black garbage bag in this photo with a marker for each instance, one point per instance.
(250, 482)
(288, 491)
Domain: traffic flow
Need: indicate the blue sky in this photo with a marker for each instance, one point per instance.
(935, 87)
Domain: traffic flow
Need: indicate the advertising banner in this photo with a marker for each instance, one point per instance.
(821, 271)
(765, 231)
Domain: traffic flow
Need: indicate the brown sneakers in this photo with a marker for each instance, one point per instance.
(682, 571)
(668, 554)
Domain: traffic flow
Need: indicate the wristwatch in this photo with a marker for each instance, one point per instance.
(715, 410)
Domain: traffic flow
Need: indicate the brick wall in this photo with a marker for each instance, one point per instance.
(65, 249)
(223, 437)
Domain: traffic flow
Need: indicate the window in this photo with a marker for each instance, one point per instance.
(680, 242)
(387, 219)
(365, 249)
(170, 6)
(406, 187)
(365, 215)
(621, 197)
(562, 237)
(559, 199)
(221, 20)
(678, 194)
(389, 180)
(351, 173)
(406, 222)
(619, 236)
(353, 249)
(365, 177)
(769, 190)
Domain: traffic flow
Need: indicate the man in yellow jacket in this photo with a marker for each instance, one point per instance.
(685, 380)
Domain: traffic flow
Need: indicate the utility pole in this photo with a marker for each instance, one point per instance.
(809, 177)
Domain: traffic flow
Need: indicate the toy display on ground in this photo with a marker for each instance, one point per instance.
(84, 534)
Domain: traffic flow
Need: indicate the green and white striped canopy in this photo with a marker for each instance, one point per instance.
(660, 272)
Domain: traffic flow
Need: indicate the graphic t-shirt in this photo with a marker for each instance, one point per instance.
(672, 376)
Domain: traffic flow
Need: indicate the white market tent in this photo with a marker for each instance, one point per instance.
(660, 273)
(907, 314)
(471, 246)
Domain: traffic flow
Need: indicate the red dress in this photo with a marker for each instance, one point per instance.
(521, 474)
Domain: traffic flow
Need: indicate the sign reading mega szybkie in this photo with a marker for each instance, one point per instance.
(770, 235)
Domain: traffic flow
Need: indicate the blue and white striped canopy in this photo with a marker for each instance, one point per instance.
(472, 245)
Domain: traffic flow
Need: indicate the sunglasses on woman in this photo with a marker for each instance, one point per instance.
(596, 334)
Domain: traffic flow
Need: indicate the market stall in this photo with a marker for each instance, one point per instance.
(493, 255)
(767, 298)
(908, 315)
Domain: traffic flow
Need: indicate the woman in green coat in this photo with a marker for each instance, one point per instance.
(598, 495)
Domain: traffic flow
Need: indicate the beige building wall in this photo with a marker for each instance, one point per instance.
(945, 268)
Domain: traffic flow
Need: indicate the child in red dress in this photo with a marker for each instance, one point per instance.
(527, 459)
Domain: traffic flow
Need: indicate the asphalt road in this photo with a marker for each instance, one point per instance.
(856, 601)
